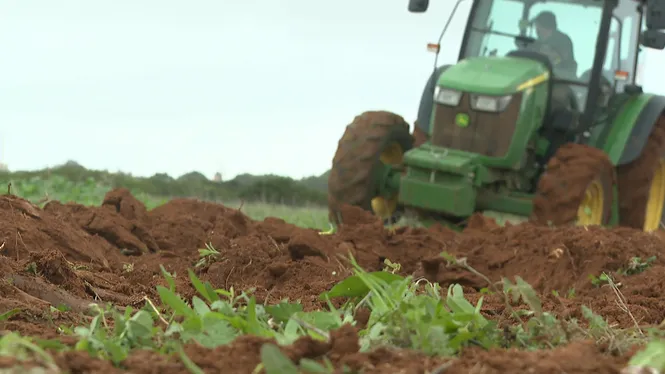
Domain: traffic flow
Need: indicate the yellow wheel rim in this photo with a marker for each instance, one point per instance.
(384, 207)
(656, 200)
(591, 209)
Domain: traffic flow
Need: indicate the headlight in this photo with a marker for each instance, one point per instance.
(447, 96)
(490, 103)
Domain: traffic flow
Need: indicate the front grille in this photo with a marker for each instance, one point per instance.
(488, 134)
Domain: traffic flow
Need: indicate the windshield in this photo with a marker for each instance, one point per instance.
(496, 27)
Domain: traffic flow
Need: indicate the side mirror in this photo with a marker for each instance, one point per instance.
(419, 6)
(653, 39)
(655, 14)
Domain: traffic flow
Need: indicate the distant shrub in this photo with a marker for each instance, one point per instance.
(282, 190)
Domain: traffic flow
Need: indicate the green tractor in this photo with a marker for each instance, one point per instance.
(512, 129)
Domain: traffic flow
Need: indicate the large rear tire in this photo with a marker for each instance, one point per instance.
(372, 138)
(642, 184)
(576, 188)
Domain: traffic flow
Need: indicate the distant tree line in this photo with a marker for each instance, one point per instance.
(270, 188)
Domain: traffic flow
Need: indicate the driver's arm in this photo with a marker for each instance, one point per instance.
(565, 49)
(559, 49)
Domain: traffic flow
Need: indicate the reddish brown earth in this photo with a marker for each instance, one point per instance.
(73, 255)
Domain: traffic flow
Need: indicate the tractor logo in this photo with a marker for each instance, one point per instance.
(462, 119)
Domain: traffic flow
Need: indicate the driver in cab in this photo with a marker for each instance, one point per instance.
(554, 44)
(558, 48)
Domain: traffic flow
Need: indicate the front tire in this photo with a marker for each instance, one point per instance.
(576, 188)
(372, 139)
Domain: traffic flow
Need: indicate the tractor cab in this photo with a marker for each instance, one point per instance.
(575, 40)
(566, 42)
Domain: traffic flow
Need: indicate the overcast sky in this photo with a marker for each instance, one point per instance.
(257, 86)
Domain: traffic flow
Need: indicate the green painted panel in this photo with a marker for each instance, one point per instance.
(455, 196)
(491, 75)
(622, 127)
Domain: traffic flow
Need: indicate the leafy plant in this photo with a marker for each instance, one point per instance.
(404, 312)
(636, 265)
(207, 256)
(651, 357)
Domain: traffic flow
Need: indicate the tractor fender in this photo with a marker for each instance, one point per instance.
(641, 129)
(427, 100)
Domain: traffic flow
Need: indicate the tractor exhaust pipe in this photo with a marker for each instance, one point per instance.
(418, 6)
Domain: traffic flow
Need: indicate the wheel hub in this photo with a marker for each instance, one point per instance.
(383, 206)
(590, 211)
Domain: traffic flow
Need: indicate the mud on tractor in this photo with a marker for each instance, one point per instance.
(509, 129)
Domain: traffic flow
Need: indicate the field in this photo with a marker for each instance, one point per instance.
(90, 190)
(106, 285)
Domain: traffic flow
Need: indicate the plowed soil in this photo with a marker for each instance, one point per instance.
(68, 254)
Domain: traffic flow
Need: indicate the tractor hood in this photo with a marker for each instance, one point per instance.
(493, 75)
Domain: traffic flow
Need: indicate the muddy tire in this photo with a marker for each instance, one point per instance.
(353, 178)
(635, 179)
(569, 175)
